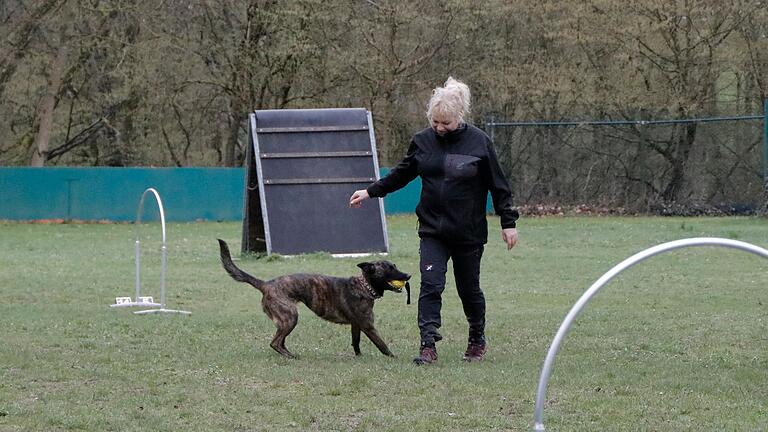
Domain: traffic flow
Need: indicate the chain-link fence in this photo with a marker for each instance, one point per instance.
(679, 166)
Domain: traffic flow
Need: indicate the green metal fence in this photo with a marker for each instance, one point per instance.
(90, 194)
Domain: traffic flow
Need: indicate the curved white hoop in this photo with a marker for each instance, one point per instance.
(538, 417)
(148, 301)
(163, 247)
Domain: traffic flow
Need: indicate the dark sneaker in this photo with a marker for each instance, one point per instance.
(475, 351)
(427, 355)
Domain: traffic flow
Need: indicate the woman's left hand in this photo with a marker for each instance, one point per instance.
(509, 236)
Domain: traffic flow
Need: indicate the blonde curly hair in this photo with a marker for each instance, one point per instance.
(450, 100)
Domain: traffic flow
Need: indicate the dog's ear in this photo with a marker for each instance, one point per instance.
(367, 267)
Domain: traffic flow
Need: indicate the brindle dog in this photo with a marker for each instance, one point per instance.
(339, 300)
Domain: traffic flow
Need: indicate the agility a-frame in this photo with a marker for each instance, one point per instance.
(301, 168)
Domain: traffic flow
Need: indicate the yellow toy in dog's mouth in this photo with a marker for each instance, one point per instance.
(397, 284)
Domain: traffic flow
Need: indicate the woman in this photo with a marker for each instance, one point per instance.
(458, 167)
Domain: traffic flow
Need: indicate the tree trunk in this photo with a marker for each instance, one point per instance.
(230, 143)
(47, 106)
(679, 162)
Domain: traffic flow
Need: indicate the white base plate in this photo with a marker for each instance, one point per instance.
(146, 301)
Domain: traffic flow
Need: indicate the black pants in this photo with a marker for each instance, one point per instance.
(434, 256)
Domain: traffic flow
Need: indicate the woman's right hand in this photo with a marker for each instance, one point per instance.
(356, 199)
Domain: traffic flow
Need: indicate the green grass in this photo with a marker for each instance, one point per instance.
(677, 342)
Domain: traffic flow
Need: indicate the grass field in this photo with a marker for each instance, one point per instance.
(678, 342)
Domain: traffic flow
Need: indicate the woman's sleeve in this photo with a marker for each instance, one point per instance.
(501, 193)
(398, 177)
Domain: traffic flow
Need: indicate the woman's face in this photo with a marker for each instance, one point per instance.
(443, 123)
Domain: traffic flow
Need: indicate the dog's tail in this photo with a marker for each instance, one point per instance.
(234, 271)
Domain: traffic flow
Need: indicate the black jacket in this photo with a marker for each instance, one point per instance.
(457, 171)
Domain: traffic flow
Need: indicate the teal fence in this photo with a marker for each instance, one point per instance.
(188, 194)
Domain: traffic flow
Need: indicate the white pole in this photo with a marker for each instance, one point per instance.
(137, 259)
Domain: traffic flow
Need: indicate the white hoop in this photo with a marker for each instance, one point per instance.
(146, 300)
(538, 416)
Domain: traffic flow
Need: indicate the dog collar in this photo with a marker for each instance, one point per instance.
(368, 287)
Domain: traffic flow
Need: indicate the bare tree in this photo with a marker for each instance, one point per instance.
(656, 59)
(47, 106)
(396, 44)
(21, 23)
